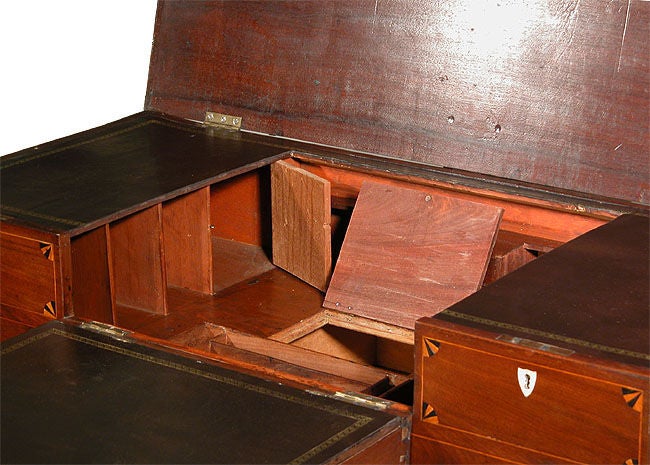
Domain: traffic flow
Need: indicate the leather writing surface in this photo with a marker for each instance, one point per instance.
(590, 295)
(72, 396)
(130, 163)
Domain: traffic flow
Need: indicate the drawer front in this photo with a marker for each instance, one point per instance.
(427, 452)
(537, 407)
(27, 274)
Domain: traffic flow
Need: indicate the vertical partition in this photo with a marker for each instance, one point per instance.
(138, 261)
(91, 290)
(186, 241)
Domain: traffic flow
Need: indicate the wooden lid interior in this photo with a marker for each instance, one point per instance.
(534, 91)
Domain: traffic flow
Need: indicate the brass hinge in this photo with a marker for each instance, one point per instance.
(355, 398)
(222, 121)
(107, 330)
(363, 400)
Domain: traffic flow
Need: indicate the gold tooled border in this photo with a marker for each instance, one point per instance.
(359, 420)
(537, 332)
(40, 216)
(36, 156)
(108, 135)
(66, 221)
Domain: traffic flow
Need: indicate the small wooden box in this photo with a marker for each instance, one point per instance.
(520, 371)
(309, 178)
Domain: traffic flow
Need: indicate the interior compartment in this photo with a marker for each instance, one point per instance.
(208, 269)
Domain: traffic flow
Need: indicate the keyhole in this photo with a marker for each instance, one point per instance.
(527, 381)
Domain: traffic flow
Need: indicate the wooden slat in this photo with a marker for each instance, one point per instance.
(310, 359)
(301, 216)
(91, 282)
(287, 372)
(408, 253)
(188, 248)
(138, 262)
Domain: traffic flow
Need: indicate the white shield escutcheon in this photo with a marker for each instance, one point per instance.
(527, 379)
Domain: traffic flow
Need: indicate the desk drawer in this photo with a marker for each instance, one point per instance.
(554, 411)
(27, 273)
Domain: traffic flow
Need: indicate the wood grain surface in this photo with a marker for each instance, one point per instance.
(408, 253)
(138, 261)
(550, 92)
(91, 276)
(187, 241)
(323, 361)
(301, 215)
(27, 276)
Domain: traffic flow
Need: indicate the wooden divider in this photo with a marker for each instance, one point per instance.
(91, 290)
(186, 241)
(239, 208)
(138, 261)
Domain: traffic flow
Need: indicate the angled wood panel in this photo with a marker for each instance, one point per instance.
(408, 253)
(301, 216)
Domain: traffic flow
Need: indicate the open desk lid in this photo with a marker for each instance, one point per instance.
(531, 91)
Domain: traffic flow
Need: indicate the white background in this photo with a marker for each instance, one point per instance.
(70, 65)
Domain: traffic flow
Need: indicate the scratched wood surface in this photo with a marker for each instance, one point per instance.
(408, 253)
(553, 92)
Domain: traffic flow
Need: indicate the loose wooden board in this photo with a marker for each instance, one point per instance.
(409, 253)
(301, 216)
